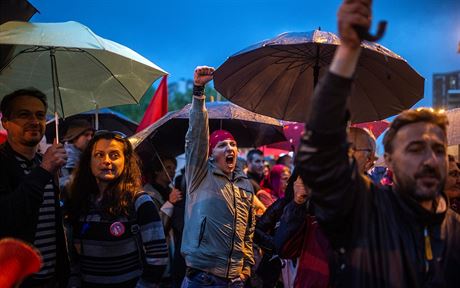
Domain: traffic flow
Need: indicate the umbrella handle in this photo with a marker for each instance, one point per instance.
(364, 34)
(56, 125)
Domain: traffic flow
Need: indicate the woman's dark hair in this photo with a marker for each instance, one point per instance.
(289, 193)
(118, 198)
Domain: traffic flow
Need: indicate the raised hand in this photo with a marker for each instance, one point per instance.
(202, 75)
(352, 14)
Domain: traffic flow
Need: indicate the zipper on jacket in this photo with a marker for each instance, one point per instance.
(428, 250)
(234, 232)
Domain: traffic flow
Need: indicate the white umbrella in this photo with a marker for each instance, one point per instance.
(78, 70)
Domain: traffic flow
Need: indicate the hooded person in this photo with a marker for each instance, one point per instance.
(219, 215)
(76, 138)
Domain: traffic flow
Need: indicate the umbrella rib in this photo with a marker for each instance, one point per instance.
(383, 83)
(388, 70)
(269, 86)
(110, 72)
(290, 93)
(14, 57)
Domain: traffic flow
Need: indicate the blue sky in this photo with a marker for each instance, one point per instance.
(179, 35)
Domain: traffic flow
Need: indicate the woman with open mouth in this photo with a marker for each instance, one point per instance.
(115, 233)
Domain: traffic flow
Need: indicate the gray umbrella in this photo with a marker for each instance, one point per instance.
(167, 135)
(276, 77)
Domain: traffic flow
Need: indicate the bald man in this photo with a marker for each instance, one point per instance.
(362, 148)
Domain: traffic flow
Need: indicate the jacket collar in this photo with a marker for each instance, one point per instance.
(238, 176)
(7, 151)
(412, 208)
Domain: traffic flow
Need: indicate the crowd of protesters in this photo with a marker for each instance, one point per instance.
(100, 217)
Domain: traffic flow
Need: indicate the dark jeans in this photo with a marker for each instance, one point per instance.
(204, 279)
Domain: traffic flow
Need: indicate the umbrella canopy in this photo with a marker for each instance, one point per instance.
(167, 135)
(276, 77)
(78, 70)
(108, 120)
(453, 130)
(376, 127)
(293, 132)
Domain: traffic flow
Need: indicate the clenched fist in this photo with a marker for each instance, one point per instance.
(202, 75)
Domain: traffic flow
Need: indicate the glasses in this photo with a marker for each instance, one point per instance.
(113, 134)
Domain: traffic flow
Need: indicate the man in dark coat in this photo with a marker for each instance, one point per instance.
(399, 236)
(29, 200)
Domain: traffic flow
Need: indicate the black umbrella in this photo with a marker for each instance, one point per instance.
(276, 77)
(19, 10)
(167, 135)
(108, 120)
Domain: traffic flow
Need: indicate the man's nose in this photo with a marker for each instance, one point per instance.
(431, 157)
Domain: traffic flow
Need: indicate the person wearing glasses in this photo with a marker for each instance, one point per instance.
(362, 148)
(29, 196)
(116, 234)
(219, 215)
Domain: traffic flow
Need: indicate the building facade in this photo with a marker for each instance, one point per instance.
(446, 90)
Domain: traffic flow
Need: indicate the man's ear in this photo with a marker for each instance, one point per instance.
(5, 123)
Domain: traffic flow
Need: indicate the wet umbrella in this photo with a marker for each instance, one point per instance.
(276, 77)
(78, 70)
(108, 120)
(167, 135)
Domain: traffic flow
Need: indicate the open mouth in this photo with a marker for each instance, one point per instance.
(107, 171)
(229, 159)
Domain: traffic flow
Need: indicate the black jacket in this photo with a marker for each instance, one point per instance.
(266, 224)
(20, 200)
(381, 231)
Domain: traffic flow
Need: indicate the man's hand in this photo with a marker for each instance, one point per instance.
(202, 75)
(175, 196)
(353, 13)
(54, 158)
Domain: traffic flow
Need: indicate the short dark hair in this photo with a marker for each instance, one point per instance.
(407, 117)
(282, 159)
(253, 152)
(451, 158)
(5, 106)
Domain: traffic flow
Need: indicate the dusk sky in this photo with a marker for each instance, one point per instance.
(179, 35)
